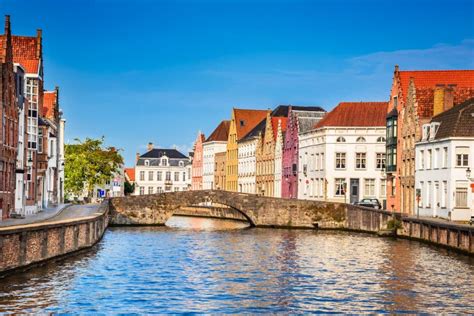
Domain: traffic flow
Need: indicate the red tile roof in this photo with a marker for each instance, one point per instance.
(246, 120)
(49, 104)
(275, 120)
(430, 78)
(221, 133)
(356, 114)
(130, 172)
(25, 52)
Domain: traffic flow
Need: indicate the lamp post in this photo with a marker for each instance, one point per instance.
(468, 176)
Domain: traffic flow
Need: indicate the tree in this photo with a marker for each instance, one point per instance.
(89, 163)
(129, 188)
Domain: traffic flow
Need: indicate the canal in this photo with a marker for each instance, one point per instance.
(203, 265)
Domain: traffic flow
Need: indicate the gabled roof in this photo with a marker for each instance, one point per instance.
(275, 121)
(246, 120)
(430, 78)
(130, 173)
(457, 121)
(356, 114)
(27, 52)
(221, 133)
(159, 152)
(49, 103)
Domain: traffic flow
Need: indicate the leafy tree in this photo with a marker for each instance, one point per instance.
(129, 188)
(89, 163)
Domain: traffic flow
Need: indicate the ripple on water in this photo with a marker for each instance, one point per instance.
(160, 269)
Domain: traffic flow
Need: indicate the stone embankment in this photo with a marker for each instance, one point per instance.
(27, 245)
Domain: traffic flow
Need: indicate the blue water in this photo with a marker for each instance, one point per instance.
(217, 270)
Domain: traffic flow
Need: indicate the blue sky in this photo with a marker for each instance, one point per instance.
(159, 71)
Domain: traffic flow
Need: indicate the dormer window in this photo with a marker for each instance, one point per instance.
(181, 163)
(147, 163)
(164, 161)
(242, 123)
(360, 139)
(426, 132)
(340, 139)
(434, 129)
(381, 139)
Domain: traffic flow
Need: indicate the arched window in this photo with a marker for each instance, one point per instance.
(381, 139)
(181, 163)
(360, 139)
(147, 162)
(340, 139)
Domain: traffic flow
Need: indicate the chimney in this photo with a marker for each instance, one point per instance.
(7, 25)
(137, 156)
(449, 97)
(438, 99)
(396, 68)
(149, 146)
(39, 34)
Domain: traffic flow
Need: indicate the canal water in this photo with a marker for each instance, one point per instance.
(202, 265)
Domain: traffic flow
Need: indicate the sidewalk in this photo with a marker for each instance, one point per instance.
(439, 220)
(38, 217)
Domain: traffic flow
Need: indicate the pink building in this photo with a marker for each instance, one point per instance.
(300, 119)
(196, 180)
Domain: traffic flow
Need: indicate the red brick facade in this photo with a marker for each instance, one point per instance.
(8, 123)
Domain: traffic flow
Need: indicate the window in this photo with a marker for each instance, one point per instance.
(422, 159)
(462, 156)
(340, 160)
(445, 157)
(461, 197)
(428, 194)
(422, 188)
(395, 101)
(159, 190)
(159, 176)
(142, 190)
(383, 187)
(436, 159)
(429, 159)
(393, 187)
(181, 163)
(168, 175)
(184, 176)
(164, 162)
(369, 189)
(176, 189)
(147, 162)
(360, 139)
(361, 160)
(444, 196)
(340, 186)
(150, 175)
(150, 190)
(381, 139)
(142, 175)
(340, 139)
(380, 161)
(176, 176)
(321, 167)
(40, 141)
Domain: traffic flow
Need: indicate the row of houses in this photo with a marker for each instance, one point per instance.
(32, 129)
(412, 153)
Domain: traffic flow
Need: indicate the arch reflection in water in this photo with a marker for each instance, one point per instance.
(201, 223)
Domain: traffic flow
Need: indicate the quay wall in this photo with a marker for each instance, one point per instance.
(24, 246)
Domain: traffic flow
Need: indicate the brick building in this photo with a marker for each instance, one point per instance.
(8, 123)
(197, 165)
(415, 97)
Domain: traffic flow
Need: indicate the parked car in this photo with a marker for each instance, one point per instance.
(370, 202)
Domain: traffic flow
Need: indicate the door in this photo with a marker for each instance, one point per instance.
(354, 191)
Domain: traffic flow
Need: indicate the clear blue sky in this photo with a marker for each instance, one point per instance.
(143, 70)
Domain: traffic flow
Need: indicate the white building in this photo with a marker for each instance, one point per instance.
(215, 143)
(443, 156)
(162, 170)
(247, 160)
(343, 158)
(20, 177)
(280, 138)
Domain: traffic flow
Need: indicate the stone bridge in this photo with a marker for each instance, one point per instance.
(260, 211)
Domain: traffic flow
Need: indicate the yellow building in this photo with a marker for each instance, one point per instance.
(242, 122)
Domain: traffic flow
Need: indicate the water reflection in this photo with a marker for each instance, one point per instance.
(163, 269)
(200, 223)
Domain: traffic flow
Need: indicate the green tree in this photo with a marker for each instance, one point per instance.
(129, 188)
(89, 163)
